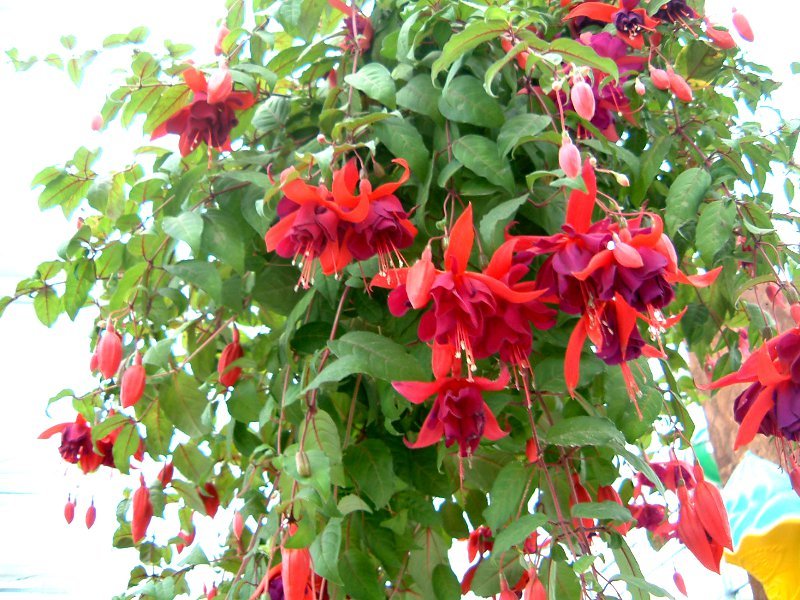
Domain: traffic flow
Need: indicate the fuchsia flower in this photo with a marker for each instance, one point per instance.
(211, 116)
(474, 315)
(459, 412)
(675, 11)
(612, 273)
(357, 27)
(771, 404)
(629, 21)
(336, 226)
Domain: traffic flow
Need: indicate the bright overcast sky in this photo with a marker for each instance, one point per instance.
(44, 118)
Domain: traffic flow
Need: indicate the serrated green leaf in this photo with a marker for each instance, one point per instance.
(520, 129)
(404, 141)
(684, 197)
(192, 463)
(376, 82)
(222, 237)
(420, 96)
(362, 577)
(601, 510)
(125, 446)
(481, 156)
(493, 223)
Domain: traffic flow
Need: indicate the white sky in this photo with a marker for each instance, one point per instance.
(44, 118)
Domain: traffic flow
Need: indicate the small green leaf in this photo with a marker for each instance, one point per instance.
(520, 129)
(404, 141)
(192, 463)
(352, 503)
(506, 494)
(715, 229)
(420, 96)
(362, 580)
(187, 227)
(650, 165)
(370, 465)
(200, 274)
(272, 113)
(185, 404)
(378, 356)
(494, 222)
(325, 551)
(584, 431)
(517, 532)
(47, 305)
(445, 583)
(473, 35)
(465, 101)
(222, 237)
(125, 446)
(601, 510)
(376, 82)
(684, 197)
(481, 156)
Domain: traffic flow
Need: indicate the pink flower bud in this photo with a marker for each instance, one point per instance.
(659, 78)
(142, 511)
(69, 510)
(165, 474)
(91, 515)
(680, 583)
(720, 37)
(742, 26)
(230, 354)
(109, 352)
(679, 86)
(639, 87)
(220, 86)
(133, 382)
(569, 158)
(97, 122)
(531, 451)
(238, 525)
(221, 35)
(583, 100)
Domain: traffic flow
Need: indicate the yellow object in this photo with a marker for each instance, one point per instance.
(773, 557)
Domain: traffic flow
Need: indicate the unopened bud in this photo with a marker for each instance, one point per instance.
(742, 26)
(69, 510)
(639, 87)
(91, 515)
(302, 464)
(238, 525)
(97, 122)
(622, 179)
(659, 78)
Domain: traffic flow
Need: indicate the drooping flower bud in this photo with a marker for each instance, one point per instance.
(580, 495)
(212, 593)
(238, 525)
(534, 590)
(742, 26)
(659, 78)
(69, 510)
(531, 451)
(232, 352)
(187, 537)
(94, 361)
(302, 464)
(221, 35)
(91, 515)
(97, 122)
(569, 157)
(679, 583)
(142, 511)
(606, 493)
(679, 87)
(720, 37)
(220, 85)
(165, 474)
(622, 179)
(210, 497)
(639, 87)
(505, 593)
(709, 504)
(133, 382)
(582, 98)
(109, 352)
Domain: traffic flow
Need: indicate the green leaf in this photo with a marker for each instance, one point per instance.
(192, 463)
(376, 82)
(493, 223)
(159, 430)
(420, 96)
(105, 427)
(445, 583)
(650, 165)
(352, 503)
(336, 371)
(465, 101)
(481, 156)
(4, 302)
(199, 274)
(370, 466)
(584, 431)
(245, 402)
(79, 283)
(684, 197)
(222, 237)
(517, 532)
(473, 35)
(159, 355)
(362, 577)
(486, 582)
(47, 305)
(187, 227)
(378, 356)
(580, 54)
(125, 446)
(184, 404)
(601, 510)
(506, 494)
(272, 113)
(519, 129)
(404, 141)
(630, 572)
(715, 229)
(325, 551)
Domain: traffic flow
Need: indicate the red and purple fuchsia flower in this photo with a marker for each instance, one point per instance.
(613, 272)
(211, 115)
(335, 226)
(629, 21)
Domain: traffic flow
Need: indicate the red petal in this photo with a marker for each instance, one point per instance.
(626, 321)
(431, 432)
(506, 293)
(240, 100)
(636, 42)
(572, 358)
(456, 257)
(494, 385)
(755, 415)
(391, 279)
(278, 231)
(51, 431)
(341, 6)
(715, 518)
(295, 573)
(417, 391)
(389, 188)
(491, 429)
(195, 79)
(594, 10)
(220, 86)
(443, 361)
(501, 260)
(601, 259)
(420, 279)
(692, 534)
(299, 192)
(627, 256)
(344, 182)
(334, 258)
(581, 205)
